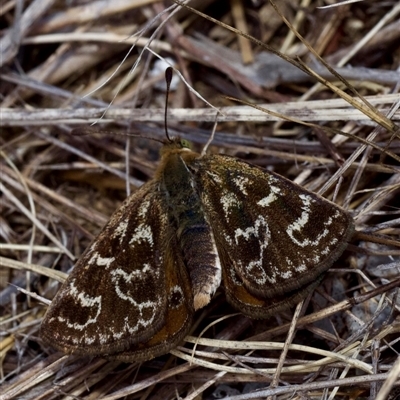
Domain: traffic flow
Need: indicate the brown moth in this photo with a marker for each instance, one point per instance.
(202, 220)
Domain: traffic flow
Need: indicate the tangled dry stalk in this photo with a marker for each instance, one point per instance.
(333, 131)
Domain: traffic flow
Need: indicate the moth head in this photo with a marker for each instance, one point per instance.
(175, 144)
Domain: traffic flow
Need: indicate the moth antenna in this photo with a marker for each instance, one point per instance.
(203, 152)
(168, 78)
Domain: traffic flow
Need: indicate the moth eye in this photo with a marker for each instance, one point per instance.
(185, 143)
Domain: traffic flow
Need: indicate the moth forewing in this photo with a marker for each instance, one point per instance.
(276, 236)
(116, 294)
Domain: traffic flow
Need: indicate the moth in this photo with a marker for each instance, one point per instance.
(201, 221)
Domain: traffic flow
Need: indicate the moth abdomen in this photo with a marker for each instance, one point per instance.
(202, 261)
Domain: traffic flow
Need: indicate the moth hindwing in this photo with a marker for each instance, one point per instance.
(201, 220)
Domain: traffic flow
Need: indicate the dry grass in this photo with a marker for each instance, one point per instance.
(64, 64)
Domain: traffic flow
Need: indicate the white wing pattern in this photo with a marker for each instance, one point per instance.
(124, 285)
(275, 239)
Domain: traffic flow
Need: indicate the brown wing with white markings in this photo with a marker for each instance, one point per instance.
(274, 238)
(117, 295)
(179, 312)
